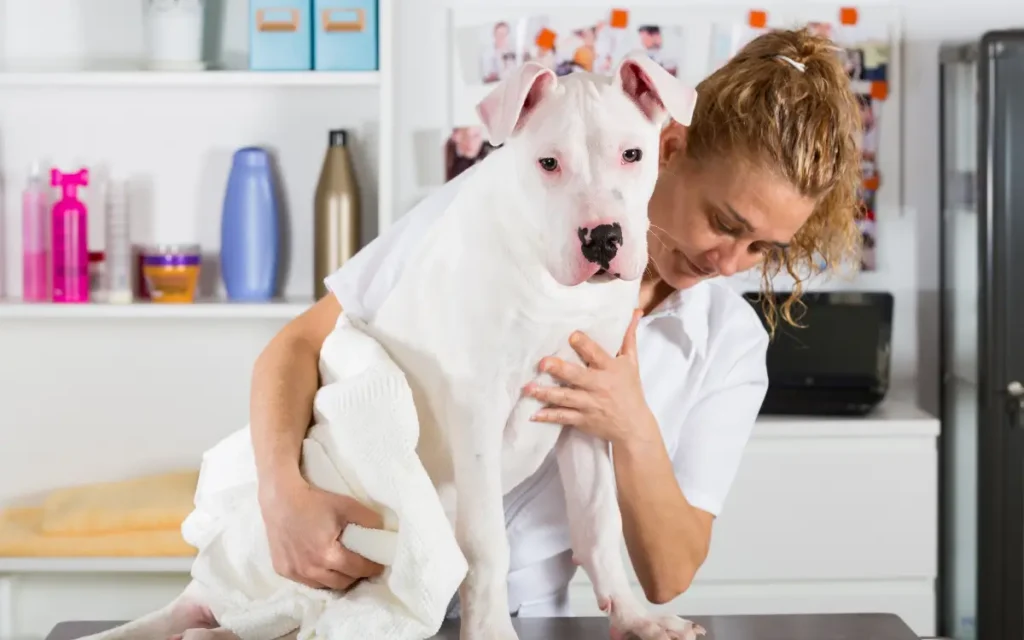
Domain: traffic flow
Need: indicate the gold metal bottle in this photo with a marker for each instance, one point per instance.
(335, 212)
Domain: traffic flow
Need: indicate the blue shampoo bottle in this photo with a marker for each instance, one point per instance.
(250, 228)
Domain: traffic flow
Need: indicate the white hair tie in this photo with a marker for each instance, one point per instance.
(799, 66)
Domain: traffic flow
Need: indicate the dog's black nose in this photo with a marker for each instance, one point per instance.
(601, 243)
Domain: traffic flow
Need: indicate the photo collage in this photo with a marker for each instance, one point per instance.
(499, 47)
(563, 48)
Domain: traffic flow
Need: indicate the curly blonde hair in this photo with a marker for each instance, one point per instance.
(805, 126)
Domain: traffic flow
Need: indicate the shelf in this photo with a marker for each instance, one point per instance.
(277, 310)
(140, 78)
(96, 565)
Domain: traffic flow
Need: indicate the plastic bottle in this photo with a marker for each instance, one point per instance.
(335, 212)
(35, 245)
(70, 244)
(249, 243)
(118, 244)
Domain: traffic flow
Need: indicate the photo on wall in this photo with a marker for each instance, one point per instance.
(488, 49)
(862, 48)
(465, 147)
(565, 44)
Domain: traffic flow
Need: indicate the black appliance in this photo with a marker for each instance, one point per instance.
(836, 362)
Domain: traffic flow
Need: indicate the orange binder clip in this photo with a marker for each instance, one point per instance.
(757, 19)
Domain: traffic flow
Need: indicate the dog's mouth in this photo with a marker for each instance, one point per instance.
(603, 275)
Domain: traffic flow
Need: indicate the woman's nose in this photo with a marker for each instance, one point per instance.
(728, 259)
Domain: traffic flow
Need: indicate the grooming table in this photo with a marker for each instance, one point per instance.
(866, 626)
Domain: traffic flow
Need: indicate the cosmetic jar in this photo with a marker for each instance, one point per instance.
(171, 272)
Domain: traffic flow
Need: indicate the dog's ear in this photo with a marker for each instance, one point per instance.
(655, 91)
(507, 106)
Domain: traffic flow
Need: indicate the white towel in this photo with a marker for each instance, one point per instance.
(362, 444)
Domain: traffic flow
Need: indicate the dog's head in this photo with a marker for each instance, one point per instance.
(584, 149)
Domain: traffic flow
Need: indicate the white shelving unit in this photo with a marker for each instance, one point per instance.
(142, 79)
(95, 565)
(285, 309)
(176, 132)
(30, 71)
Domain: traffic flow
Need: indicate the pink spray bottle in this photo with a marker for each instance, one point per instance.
(70, 245)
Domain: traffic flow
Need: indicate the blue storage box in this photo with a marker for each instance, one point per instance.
(345, 35)
(281, 35)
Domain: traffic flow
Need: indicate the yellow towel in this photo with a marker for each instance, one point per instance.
(155, 502)
(21, 536)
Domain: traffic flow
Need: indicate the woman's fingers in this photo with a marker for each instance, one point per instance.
(566, 372)
(559, 396)
(589, 351)
(558, 415)
(349, 563)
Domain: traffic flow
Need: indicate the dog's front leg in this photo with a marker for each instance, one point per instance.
(595, 527)
(476, 439)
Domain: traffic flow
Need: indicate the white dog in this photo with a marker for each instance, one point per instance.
(547, 235)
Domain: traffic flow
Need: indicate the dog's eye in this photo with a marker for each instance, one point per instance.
(548, 164)
(632, 155)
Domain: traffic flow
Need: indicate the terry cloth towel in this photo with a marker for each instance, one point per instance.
(362, 444)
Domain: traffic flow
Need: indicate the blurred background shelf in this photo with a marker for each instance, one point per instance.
(283, 309)
(144, 78)
(95, 565)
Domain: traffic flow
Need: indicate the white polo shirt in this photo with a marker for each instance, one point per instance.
(702, 364)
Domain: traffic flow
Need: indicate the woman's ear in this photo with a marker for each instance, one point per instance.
(672, 143)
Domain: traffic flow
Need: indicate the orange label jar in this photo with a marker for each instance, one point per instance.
(172, 273)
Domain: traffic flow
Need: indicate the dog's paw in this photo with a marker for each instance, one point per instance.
(632, 623)
(495, 628)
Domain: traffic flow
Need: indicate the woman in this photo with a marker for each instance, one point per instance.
(765, 177)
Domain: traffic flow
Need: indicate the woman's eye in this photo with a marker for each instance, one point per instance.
(719, 226)
(632, 155)
(548, 164)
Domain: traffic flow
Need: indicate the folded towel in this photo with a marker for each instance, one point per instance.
(362, 444)
(153, 502)
(21, 535)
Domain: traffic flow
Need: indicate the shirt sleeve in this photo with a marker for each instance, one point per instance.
(716, 429)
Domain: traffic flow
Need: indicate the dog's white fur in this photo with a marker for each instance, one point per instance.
(500, 281)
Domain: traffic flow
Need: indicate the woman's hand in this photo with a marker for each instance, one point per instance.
(605, 398)
(304, 526)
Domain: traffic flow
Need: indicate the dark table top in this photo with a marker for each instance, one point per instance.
(854, 626)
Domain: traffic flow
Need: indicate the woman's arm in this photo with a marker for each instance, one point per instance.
(667, 537)
(668, 502)
(284, 380)
(303, 523)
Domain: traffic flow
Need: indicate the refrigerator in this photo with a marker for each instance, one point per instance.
(981, 451)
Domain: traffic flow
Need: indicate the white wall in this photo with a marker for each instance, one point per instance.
(162, 391)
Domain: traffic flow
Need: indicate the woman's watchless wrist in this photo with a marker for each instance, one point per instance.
(279, 480)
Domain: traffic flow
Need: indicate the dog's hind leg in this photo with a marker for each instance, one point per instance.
(188, 611)
(595, 528)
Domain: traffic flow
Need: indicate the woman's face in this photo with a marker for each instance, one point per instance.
(720, 219)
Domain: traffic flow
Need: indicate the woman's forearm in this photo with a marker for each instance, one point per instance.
(667, 538)
(284, 381)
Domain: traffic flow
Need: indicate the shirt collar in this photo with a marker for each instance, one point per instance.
(688, 308)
